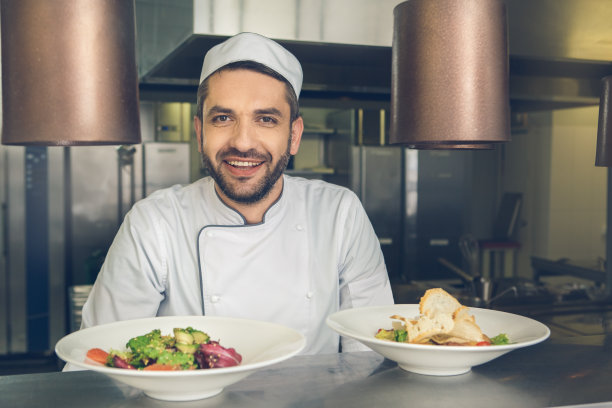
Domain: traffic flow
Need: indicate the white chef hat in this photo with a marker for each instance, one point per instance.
(254, 47)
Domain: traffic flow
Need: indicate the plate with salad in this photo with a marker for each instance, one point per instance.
(180, 358)
(438, 336)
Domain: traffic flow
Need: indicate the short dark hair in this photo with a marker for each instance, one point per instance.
(290, 95)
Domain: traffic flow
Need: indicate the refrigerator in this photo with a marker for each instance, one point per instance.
(61, 208)
(418, 201)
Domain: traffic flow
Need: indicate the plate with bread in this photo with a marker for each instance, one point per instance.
(439, 336)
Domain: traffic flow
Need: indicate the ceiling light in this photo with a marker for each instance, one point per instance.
(449, 84)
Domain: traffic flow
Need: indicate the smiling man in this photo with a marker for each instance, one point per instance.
(248, 241)
(246, 134)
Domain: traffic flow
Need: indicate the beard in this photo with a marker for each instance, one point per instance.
(235, 191)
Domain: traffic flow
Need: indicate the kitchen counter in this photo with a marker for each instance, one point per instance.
(557, 372)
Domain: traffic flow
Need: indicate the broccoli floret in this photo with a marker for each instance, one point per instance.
(500, 339)
(147, 347)
(185, 360)
(400, 335)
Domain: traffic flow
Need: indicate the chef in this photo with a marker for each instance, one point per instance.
(247, 241)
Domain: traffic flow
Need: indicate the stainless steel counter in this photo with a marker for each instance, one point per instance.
(565, 372)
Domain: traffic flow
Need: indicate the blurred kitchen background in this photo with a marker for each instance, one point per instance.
(530, 215)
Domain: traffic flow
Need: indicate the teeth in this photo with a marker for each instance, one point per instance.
(243, 164)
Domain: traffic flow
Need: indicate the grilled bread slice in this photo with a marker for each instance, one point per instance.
(437, 301)
(442, 320)
(420, 330)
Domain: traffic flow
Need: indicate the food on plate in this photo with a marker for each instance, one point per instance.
(442, 321)
(188, 349)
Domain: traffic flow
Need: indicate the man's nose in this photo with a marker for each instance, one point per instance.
(243, 136)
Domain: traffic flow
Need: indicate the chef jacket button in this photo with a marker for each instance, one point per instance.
(309, 295)
(299, 227)
(214, 298)
(210, 233)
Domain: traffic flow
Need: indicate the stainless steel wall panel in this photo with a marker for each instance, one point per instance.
(165, 164)
(443, 211)
(16, 247)
(378, 183)
(57, 247)
(93, 208)
(4, 290)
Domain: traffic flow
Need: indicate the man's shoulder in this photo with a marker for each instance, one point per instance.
(315, 186)
(176, 195)
(317, 192)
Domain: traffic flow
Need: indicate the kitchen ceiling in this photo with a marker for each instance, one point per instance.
(559, 51)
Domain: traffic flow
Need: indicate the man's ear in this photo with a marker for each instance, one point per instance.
(197, 125)
(297, 128)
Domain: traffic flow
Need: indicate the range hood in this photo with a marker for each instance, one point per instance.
(559, 52)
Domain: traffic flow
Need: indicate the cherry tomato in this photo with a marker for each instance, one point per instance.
(98, 355)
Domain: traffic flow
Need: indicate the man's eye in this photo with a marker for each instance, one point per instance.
(220, 118)
(268, 119)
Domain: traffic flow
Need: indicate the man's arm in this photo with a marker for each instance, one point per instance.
(130, 284)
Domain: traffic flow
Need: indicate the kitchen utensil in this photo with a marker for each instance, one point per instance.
(471, 253)
(454, 268)
(483, 288)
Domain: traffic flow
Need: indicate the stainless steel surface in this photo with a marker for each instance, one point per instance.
(608, 264)
(15, 280)
(126, 180)
(470, 249)
(376, 178)
(559, 49)
(449, 73)
(454, 268)
(16, 251)
(542, 266)
(560, 28)
(165, 164)
(554, 373)
(69, 72)
(435, 223)
(483, 289)
(81, 201)
(603, 154)
(57, 243)
(4, 289)
(77, 296)
(93, 207)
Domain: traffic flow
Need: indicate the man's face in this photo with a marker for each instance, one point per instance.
(246, 136)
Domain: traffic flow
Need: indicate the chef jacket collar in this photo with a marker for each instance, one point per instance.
(233, 217)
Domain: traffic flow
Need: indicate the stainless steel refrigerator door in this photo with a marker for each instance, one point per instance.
(165, 164)
(100, 194)
(15, 247)
(57, 244)
(376, 177)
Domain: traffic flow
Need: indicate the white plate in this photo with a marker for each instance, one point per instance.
(363, 323)
(260, 343)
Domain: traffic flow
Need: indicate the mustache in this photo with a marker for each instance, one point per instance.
(249, 154)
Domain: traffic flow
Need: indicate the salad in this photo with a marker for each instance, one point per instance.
(400, 336)
(442, 321)
(187, 349)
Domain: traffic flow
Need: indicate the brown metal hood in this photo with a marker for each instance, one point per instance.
(559, 51)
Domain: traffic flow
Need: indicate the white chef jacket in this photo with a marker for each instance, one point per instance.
(182, 251)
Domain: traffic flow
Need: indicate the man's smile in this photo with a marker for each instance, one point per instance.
(237, 163)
